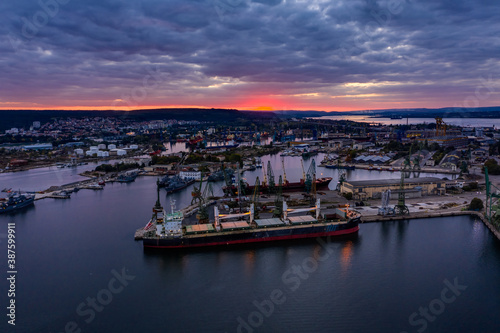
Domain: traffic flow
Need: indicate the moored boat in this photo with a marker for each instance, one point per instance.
(16, 201)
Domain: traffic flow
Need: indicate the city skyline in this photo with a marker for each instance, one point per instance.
(249, 55)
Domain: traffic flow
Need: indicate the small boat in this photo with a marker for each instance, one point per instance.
(127, 177)
(93, 186)
(258, 163)
(60, 195)
(16, 201)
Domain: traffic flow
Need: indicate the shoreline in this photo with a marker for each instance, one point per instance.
(413, 216)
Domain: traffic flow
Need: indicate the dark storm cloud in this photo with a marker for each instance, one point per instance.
(74, 50)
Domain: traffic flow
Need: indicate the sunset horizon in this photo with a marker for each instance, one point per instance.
(248, 55)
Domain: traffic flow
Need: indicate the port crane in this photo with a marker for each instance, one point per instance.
(440, 127)
(270, 176)
(229, 184)
(255, 197)
(303, 171)
(342, 174)
(278, 202)
(311, 175)
(401, 208)
(264, 183)
(202, 199)
(284, 172)
(492, 193)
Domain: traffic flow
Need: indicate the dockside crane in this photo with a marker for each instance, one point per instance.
(201, 200)
(311, 176)
(278, 202)
(229, 189)
(270, 178)
(264, 183)
(208, 192)
(440, 127)
(401, 208)
(284, 172)
(342, 174)
(303, 171)
(492, 193)
(255, 197)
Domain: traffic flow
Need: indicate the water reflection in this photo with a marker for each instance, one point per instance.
(346, 255)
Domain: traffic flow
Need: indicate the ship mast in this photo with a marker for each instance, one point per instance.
(157, 207)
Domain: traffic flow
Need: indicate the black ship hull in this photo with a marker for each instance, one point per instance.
(255, 235)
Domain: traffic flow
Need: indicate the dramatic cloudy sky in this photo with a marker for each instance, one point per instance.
(249, 54)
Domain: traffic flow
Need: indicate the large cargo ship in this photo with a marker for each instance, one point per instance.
(166, 231)
(16, 201)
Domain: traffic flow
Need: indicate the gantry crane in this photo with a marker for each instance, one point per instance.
(255, 197)
(284, 172)
(440, 127)
(278, 202)
(401, 207)
(270, 177)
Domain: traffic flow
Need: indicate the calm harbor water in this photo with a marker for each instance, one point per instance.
(70, 252)
(464, 122)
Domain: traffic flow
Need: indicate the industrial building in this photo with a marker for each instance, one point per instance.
(413, 187)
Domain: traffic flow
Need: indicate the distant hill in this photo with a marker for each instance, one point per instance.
(24, 118)
(484, 112)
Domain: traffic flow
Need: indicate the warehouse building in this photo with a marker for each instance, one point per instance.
(414, 187)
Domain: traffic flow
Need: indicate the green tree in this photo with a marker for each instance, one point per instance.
(493, 167)
(476, 204)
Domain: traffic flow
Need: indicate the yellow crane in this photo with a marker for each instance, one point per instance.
(440, 127)
(284, 173)
(303, 171)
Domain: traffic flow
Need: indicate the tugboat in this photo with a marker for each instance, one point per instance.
(16, 201)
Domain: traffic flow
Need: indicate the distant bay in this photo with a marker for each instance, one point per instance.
(463, 122)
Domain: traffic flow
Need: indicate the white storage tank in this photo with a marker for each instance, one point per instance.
(134, 147)
(79, 151)
(105, 154)
(121, 152)
(101, 146)
(111, 146)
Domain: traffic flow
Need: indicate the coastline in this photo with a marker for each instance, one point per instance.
(425, 215)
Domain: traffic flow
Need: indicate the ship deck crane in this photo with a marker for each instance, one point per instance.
(342, 174)
(218, 217)
(286, 210)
